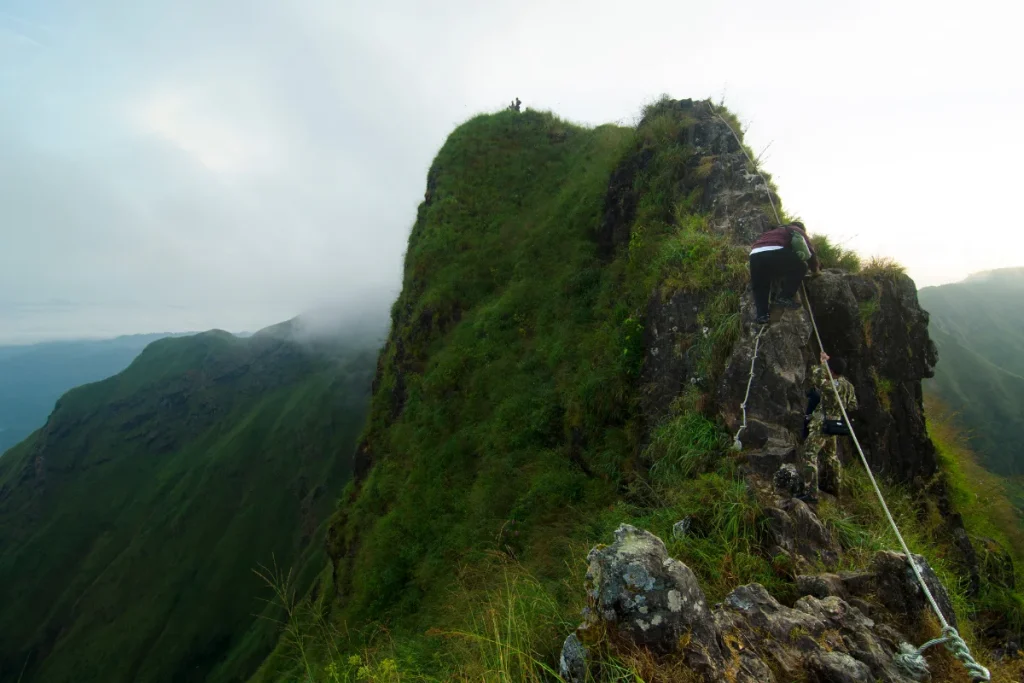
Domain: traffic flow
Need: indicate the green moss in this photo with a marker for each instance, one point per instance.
(883, 390)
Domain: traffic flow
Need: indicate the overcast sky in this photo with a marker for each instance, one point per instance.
(179, 165)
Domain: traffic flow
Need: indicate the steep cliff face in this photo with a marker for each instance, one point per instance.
(872, 321)
(570, 352)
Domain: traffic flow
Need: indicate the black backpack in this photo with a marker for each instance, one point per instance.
(829, 427)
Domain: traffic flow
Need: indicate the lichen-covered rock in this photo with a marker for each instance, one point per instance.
(572, 665)
(788, 481)
(638, 594)
(837, 667)
(828, 640)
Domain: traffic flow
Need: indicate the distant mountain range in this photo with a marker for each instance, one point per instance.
(978, 327)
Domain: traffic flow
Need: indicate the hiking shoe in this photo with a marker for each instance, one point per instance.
(763, 319)
(785, 302)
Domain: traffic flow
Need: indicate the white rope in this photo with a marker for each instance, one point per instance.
(954, 643)
(911, 659)
(736, 443)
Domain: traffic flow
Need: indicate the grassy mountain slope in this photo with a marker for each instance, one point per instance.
(978, 327)
(33, 377)
(131, 523)
(506, 433)
(505, 423)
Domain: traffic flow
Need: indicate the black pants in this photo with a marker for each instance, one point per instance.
(767, 266)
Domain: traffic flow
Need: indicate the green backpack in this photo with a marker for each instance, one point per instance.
(799, 245)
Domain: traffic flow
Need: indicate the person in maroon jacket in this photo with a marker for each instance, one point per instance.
(785, 253)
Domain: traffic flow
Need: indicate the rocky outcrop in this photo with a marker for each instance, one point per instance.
(734, 198)
(875, 323)
(778, 392)
(877, 327)
(828, 639)
(638, 596)
(890, 584)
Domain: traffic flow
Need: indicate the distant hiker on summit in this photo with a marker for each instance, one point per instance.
(785, 253)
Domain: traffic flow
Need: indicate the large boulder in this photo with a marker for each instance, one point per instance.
(876, 325)
(640, 596)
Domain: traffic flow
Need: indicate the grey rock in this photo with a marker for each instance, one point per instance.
(766, 461)
(893, 343)
(837, 667)
(572, 665)
(643, 597)
(797, 531)
(898, 589)
(821, 586)
(788, 481)
(778, 397)
(826, 640)
(890, 582)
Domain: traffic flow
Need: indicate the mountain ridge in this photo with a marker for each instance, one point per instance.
(215, 455)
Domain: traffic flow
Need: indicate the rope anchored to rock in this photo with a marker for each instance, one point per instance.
(909, 659)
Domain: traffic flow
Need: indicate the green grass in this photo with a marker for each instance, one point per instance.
(883, 265)
(832, 255)
(507, 417)
(130, 559)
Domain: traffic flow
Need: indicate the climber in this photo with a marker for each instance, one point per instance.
(783, 252)
(824, 426)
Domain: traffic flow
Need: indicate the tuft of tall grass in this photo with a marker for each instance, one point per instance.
(883, 265)
(683, 447)
(831, 255)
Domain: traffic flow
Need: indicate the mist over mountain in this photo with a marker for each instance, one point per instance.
(978, 327)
